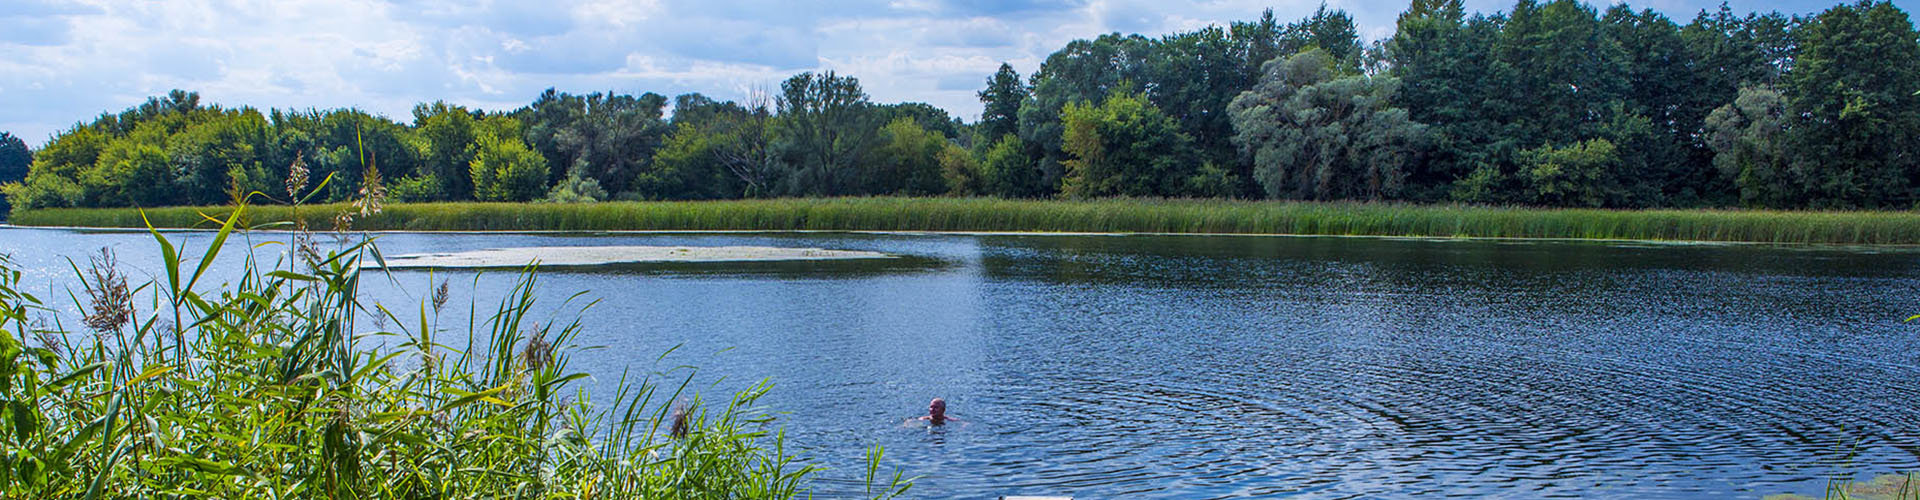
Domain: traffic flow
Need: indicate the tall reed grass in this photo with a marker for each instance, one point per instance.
(1111, 215)
(265, 389)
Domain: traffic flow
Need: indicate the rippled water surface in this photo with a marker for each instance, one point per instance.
(1198, 367)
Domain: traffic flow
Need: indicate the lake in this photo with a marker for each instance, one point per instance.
(1233, 366)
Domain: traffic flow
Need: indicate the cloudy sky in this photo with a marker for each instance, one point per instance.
(62, 62)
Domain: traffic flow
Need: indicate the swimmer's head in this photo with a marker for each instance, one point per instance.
(937, 408)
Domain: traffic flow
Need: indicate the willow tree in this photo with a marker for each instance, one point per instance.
(1315, 132)
(1748, 138)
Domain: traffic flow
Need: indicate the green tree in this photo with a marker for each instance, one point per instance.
(1452, 81)
(1749, 141)
(1126, 147)
(1315, 133)
(505, 169)
(609, 137)
(448, 138)
(1083, 71)
(1729, 51)
(961, 171)
(53, 177)
(1853, 85)
(550, 115)
(823, 133)
(1007, 171)
(1566, 67)
(15, 158)
(176, 102)
(1575, 175)
(1193, 77)
(1002, 98)
(134, 173)
(1667, 164)
(576, 188)
(340, 144)
(906, 160)
(1332, 32)
(69, 153)
(42, 192)
(687, 167)
(929, 117)
(205, 154)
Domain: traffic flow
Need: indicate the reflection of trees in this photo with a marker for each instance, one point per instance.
(1236, 261)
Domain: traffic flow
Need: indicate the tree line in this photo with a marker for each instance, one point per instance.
(1552, 104)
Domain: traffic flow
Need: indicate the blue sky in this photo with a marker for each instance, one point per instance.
(62, 62)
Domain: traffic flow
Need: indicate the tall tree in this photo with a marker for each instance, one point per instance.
(615, 136)
(206, 154)
(1002, 98)
(1853, 83)
(1193, 77)
(1334, 32)
(448, 136)
(1438, 69)
(550, 115)
(14, 158)
(1083, 71)
(340, 144)
(1666, 165)
(1566, 66)
(823, 133)
(743, 143)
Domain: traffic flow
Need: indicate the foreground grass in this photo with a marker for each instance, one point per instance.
(1121, 215)
(272, 387)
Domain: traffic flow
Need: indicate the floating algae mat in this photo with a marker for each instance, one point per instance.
(609, 255)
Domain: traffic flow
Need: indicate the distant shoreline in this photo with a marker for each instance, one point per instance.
(1106, 216)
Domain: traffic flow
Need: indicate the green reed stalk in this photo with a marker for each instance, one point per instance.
(1106, 215)
(268, 389)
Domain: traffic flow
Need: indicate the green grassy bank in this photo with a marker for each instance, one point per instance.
(1122, 215)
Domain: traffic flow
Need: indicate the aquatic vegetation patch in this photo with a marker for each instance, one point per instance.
(608, 255)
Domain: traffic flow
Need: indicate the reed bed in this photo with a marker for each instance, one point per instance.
(273, 387)
(1101, 216)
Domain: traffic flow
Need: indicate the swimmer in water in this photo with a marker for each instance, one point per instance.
(936, 414)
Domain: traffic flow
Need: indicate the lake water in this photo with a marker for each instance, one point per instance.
(1229, 366)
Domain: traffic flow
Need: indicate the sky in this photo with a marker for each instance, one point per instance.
(63, 62)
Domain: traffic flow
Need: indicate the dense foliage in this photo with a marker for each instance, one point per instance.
(15, 157)
(1552, 103)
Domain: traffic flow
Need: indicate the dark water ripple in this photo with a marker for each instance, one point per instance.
(1224, 367)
